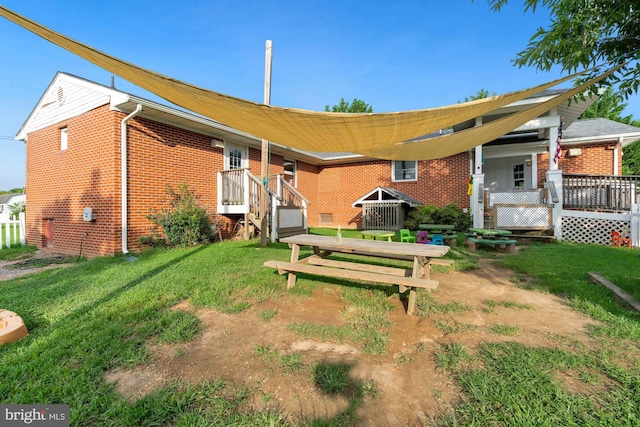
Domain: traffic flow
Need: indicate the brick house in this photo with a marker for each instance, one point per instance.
(78, 130)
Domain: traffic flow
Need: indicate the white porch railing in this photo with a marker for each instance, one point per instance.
(523, 216)
(531, 196)
(13, 232)
(519, 208)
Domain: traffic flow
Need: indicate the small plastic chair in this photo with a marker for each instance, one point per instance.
(437, 239)
(405, 236)
(423, 237)
(617, 240)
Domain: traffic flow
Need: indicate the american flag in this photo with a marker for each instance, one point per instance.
(558, 153)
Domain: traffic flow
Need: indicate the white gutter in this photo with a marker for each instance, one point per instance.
(616, 152)
(123, 157)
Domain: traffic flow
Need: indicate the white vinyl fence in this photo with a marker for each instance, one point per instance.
(13, 233)
(595, 227)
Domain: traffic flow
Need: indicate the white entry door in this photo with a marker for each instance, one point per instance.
(235, 157)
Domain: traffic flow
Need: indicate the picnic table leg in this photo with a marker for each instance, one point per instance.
(411, 305)
(418, 272)
(295, 253)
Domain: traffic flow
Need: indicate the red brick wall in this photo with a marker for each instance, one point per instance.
(307, 185)
(440, 182)
(160, 156)
(61, 183)
(596, 159)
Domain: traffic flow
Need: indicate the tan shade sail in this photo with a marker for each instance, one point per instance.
(306, 130)
(443, 146)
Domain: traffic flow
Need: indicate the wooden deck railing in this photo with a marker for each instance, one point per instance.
(232, 187)
(612, 193)
(238, 187)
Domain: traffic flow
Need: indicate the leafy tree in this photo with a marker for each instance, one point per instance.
(610, 105)
(631, 159)
(356, 106)
(13, 191)
(16, 208)
(482, 93)
(584, 34)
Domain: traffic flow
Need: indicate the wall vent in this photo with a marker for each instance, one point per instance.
(60, 96)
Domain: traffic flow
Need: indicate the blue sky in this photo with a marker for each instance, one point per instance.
(395, 55)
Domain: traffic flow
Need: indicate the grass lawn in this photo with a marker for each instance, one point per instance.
(99, 315)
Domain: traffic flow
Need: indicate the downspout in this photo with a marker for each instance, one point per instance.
(616, 154)
(123, 160)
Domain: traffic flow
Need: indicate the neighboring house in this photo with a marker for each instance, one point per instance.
(78, 131)
(5, 201)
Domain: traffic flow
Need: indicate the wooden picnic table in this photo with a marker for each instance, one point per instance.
(436, 228)
(418, 276)
(374, 234)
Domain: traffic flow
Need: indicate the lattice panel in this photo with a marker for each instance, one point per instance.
(528, 197)
(531, 216)
(592, 230)
(290, 217)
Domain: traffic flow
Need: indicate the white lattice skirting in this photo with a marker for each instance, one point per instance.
(523, 216)
(593, 227)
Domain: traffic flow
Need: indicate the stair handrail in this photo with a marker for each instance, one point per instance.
(297, 198)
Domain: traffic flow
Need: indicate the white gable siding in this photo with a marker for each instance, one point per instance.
(64, 99)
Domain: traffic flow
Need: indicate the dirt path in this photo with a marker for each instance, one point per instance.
(409, 386)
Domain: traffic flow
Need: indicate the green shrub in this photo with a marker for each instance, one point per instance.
(184, 222)
(429, 214)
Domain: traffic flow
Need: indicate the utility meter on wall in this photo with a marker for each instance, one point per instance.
(88, 215)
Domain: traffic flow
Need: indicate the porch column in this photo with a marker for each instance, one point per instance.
(553, 143)
(477, 193)
(554, 178)
(635, 225)
(477, 201)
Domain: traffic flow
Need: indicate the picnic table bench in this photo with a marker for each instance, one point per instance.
(507, 245)
(422, 257)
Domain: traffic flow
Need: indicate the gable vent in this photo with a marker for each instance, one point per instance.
(60, 95)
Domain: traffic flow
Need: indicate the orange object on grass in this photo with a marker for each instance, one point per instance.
(617, 240)
(12, 328)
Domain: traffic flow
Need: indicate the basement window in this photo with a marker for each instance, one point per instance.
(64, 138)
(326, 218)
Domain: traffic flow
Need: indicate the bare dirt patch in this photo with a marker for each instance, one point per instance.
(32, 263)
(409, 388)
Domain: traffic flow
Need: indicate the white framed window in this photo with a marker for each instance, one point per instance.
(64, 138)
(290, 167)
(518, 175)
(235, 157)
(404, 170)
